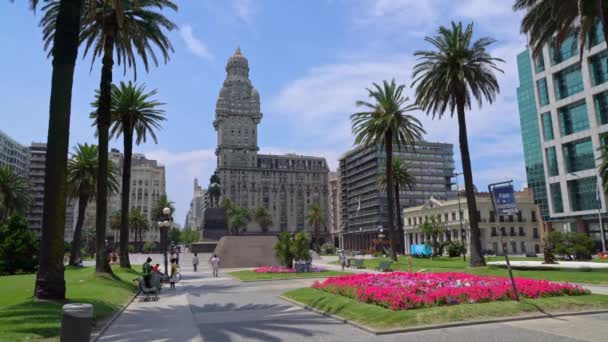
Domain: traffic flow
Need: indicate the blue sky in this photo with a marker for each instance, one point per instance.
(310, 60)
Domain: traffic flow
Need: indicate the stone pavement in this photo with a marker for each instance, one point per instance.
(222, 309)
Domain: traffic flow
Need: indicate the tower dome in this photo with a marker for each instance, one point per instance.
(237, 64)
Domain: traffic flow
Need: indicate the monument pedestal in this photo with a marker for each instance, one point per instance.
(215, 226)
(247, 251)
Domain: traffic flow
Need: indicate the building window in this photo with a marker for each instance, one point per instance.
(556, 198)
(598, 68)
(503, 231)
(446, 217)
(409, 221)
(567, 49)
(539, 63)
(568, 82)
(536, 248)
(535, 233)
(552, 161)
(501, 218)
(578, 155)
(511, 231)
(519, 217)
(513, 247)
(582, 194)
(523, 247)
(547, 126)
(601, 107)
(573, 118)
(492, 216)
(494, 233)
(543, 92)
(521, 231)
(533, 216)
(453, 216)
(495, 247)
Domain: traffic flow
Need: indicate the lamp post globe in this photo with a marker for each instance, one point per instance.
(167, 211)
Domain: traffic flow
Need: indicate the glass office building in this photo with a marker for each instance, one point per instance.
(563, 109)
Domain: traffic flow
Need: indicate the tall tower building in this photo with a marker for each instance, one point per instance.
(563, 107)
(14, 155)
(286, 185)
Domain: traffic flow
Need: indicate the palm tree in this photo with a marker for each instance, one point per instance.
(115, 222)
(133, 112)
(263, 218)
(546, 18)
(402, 178)
(131, 28)
(385, 123)
(81, 179)
(314, 218)
(14, 193)
(238, 217)
(139, 224)
(448, 78)
(50, 283)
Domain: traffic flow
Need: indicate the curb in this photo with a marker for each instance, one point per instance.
(441, 325)
(287, 279)
(109, 322)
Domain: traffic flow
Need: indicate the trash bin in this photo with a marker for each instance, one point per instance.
(76, 322)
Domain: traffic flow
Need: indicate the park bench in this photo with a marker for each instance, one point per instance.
(356, 263)
(384, 266)
(531, 255)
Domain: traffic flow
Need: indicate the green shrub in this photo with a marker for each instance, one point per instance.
(455, 248)
(301, 246)
(149, 246)
(18, 246)
(579, 245)
(131, 249)
(328, 248)
(283, 249)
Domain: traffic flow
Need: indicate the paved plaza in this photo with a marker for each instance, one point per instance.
(222, 309)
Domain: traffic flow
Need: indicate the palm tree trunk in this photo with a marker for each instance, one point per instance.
(399, 223)
(388, 142)
(103, 126)
(50, 283)
(83, 201)
(124, 202)
(476, 258)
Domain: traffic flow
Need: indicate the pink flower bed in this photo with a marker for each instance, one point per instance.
(402, 291)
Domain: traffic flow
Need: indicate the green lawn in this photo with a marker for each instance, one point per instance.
(446, 264)
(253, 276)
(379, 318)
(23, 318)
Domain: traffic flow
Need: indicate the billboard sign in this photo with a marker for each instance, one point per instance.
(504, 199)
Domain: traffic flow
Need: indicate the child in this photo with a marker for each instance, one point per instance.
(195, 261)
(173, 273)
(215, 264)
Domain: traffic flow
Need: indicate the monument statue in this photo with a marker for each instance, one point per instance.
(215, 190)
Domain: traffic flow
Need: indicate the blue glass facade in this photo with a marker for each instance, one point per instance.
(568, 82)
(573, 118)
(530, 133)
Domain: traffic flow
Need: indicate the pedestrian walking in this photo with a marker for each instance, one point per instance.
(195, 261)
(342, 258)
(215, 264)
(173, 273)
(147, 271)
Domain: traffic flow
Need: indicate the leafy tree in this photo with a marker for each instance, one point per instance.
(301, 246)
(569, 244)
(455, 248)
(188, 236)
(133, 113)
(328, 248)
(129, 29)
(402, 178)
(448, 79)
(284, 249)
(176, 235)
(238, 218)
(545, 19)
(315, 219)
(18, 246)
(138, 223)
(263, 218)
(82, 181)
(149, 246)
(435, 229)
(14, 193)
(385, 122)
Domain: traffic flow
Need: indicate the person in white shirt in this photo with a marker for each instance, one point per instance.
(215, 264)
(195, 261)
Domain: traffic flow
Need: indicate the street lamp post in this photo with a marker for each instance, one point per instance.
(165, 223)
(381, 238)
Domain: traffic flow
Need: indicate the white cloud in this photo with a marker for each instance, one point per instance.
(244, 10)
(195, 45)
(181, 168)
